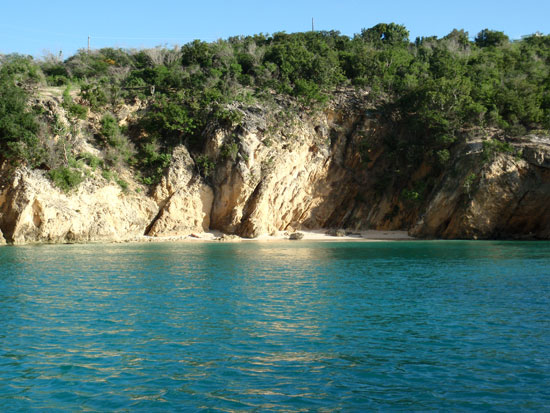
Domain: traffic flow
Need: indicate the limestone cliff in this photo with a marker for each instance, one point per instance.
(32, 210)
(184, 200)
(282, 170)
(506, 197)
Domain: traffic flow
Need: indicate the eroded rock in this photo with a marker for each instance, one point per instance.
(33, 210)
(502, 198)
(185, 200)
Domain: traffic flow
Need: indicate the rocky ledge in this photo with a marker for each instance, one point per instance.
(308, 172)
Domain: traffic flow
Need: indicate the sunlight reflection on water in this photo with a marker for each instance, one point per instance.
(280, 326)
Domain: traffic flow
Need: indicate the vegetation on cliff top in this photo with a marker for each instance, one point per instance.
(432, 88)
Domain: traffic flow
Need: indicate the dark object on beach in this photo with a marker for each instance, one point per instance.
(336, 232)
(228, 237)
(296, 236)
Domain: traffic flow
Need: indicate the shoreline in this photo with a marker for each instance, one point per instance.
(308, 235)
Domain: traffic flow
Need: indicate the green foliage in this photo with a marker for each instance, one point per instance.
(205, 165)
(19, 126)
(56, 73)
(416, 194)
(119, 149)
(170, 120)
(410, 195)
(386, 34)
(428, 95)
(110, 129)
(91, 160)
(229, 151)
(490, 38)
(443, 156)
(469, 183)
(95, 94)
(21, 69)
(107, 174)
(228, 118)
(153, 163)
(122, 183)
(492, 147)
(75, 110)
(78, 111)
(66, 178)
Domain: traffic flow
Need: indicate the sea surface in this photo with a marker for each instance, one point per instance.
(276, 326)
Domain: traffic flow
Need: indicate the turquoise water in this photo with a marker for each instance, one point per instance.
(406, 326)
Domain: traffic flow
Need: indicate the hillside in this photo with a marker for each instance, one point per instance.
(446, 138)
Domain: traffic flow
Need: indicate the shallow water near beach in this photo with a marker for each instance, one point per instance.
(278, 326)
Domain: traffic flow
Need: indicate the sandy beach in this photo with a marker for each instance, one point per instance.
(308, 235)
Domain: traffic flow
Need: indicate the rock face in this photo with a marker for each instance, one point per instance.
(506, 197)
(2, 240)
(184, 199)
(32, 210)
(306, 177)
(273, 187)
(285, 172)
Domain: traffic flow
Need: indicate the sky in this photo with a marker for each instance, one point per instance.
(42, 27)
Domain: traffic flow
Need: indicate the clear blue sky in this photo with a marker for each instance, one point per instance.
(35, 27)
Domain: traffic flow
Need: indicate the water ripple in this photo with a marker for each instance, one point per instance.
(409, 326)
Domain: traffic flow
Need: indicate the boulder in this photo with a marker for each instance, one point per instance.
(296, 236)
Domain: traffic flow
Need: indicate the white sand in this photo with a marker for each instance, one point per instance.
(310, 235)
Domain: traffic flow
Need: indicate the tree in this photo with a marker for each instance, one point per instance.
(18, 126)
(386, 34)
(490, 38)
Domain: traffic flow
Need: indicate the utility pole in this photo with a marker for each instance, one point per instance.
(312, 25)
(88, 44)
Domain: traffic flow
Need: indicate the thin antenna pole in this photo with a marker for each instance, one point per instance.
(312, 25)
(88, 44)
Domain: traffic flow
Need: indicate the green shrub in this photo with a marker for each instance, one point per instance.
(493, 146)
(66, 178)
(443, 156)
(205, 165)
(122, 183)
(229, 151)
(75, 110)
(110, 129)
(469, 182)
(91, 160)
(410, 195)
(153, 163)
(228, 118)
(78, 111)
(19, 126)
(95, 94)
(107, 174)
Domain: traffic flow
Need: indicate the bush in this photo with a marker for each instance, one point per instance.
(110, 129)
(95, 94)
(66, 178)
(122, 183)
(153, 163)
(492, 146)
(91, 160)
(19, 126)
(411, 195)
(75, 110)
(229, 151)
(443, 156)
(205, 166)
